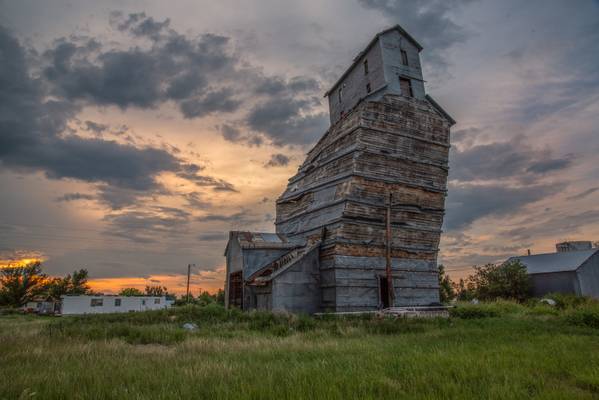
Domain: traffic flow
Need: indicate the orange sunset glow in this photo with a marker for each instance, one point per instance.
(204, 281)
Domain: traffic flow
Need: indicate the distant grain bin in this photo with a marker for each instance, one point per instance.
(573, 246)
(573, 269)
(358, 226)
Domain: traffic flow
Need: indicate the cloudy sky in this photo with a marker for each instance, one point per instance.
(135, 134)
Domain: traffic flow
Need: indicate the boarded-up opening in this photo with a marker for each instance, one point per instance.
(383, 292)
(406, 87)
(236, 289)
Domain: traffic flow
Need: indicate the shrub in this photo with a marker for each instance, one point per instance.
(587, 315)
(565, 301)
(505, 281)
(446, 286)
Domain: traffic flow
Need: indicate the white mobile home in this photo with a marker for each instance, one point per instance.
(72, 305)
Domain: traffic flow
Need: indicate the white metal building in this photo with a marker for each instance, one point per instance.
(72, 305)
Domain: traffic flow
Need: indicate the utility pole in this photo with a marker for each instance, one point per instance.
(188, 275)
(390, 287)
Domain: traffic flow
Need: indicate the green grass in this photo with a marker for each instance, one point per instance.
(497, 350)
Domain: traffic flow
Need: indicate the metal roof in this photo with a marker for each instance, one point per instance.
(260, 240)
(555, 262)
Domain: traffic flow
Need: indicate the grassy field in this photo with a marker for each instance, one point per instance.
(496, 351)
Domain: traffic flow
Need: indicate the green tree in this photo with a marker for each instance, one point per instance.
(78, 282)
(446, 291)
(19, 284)
(509, 281)
(75, 284)
(131, 292)
(220, 297)
(464, 291)
(156, 291)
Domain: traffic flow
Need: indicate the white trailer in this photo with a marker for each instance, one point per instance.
(73, 305)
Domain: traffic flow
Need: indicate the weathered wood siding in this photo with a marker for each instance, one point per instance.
(399, 146)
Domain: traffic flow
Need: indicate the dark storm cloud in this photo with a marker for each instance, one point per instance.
(244, 217)
(191, 172)
(429, 21)
(95, 127)
(148, 225)
(221, 100)
(95, 160)
(32, 138)
(117, 198)
(201, 75)
(284, 121)
(230, 133)
(277, 160)
(75, 196)
(553, 226)
(511, 159)
(276, 86)
(139, 24)
(584, 194)
(174, 67)
(573, 84)
(468, 203)
(196, 200)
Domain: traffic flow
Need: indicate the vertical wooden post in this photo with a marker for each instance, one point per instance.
(188, 275)
(388, 269)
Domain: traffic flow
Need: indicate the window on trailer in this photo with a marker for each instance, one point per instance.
(97, 302)
(156, 301)
(117, 302)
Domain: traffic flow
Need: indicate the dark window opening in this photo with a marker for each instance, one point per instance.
(97, 302)
(340, 94)
(236, 290)
(156, 301)
(143, 302)
(406, 87)
(404, 57)
(117, 302)
(383, 292)
(365, 67)
(368, 88)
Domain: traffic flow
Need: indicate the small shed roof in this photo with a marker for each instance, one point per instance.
(555, 262)
(260, 240)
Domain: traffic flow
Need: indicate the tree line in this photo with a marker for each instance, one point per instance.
(488, 282)
(21, 284)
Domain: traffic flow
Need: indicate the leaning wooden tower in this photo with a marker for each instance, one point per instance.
(386, 153)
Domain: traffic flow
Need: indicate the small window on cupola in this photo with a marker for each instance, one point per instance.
(404, 57)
